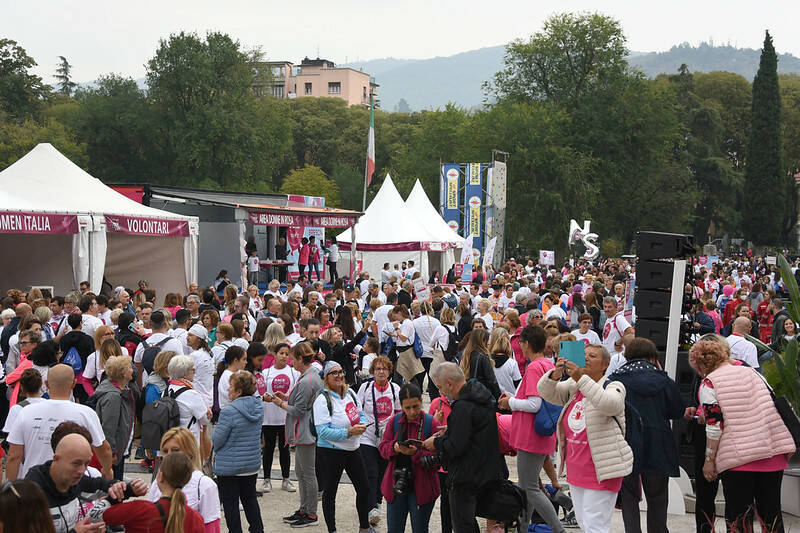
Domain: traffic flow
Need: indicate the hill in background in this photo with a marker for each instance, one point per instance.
(432, 83)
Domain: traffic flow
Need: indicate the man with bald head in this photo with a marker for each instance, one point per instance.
(741, 348)
(29, 437)
(63, 479)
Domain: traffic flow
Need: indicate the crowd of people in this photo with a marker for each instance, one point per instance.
(203, 388)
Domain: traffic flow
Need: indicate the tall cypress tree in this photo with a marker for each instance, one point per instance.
(764, 181)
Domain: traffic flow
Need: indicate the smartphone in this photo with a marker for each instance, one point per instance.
(574, 351)
(132, 326)
(368, 425)
(413, 442)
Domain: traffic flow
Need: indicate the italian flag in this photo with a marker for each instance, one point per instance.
(371, 143)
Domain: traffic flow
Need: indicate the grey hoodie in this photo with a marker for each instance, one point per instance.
(299, 412)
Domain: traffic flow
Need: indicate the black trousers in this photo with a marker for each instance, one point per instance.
(301, 269)
(334, 273)
(375, 466)
(463, 502)
(750, 493)
(444, 504)
(272, 434)
(655, 492)
(333, 463)
(233, 489)
(433, 391)
(706, 491)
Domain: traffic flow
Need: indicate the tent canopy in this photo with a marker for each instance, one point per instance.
(48, 204)
(419, 207)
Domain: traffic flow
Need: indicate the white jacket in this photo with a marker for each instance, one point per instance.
(605, 422)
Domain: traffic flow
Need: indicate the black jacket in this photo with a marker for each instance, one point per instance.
(8, 332)
(778, 330)
(658, 399)
(341, 354)
(65, 506)
(80, 341)
(470, 446)
(404, 298)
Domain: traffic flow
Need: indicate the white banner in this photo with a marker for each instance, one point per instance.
(547, 257)
(488, 253)
(466, 251)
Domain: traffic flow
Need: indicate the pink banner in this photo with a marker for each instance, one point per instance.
(281, 218)
(38, 223)
(154, 227)
(294, 236)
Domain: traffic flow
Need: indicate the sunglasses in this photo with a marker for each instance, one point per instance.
(9, 485)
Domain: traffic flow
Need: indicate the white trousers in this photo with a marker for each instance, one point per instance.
(593, 508)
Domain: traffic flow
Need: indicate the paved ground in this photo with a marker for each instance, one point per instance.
(279, 503)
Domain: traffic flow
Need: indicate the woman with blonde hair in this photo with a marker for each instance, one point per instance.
(274, 336)
(475, 362)
(506, 369)
(747, 443)
(170, 513)
(201, 492)
(96, 361)
(116, 408)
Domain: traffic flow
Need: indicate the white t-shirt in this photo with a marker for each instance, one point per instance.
(35, 424)
(105, 317)
(425, 326)
(441, 336)
(90, 324)
(386, 404)
(223, 387)
(93, 369)
(503, 301)
(381, 318)
(282, 380)
(506, 376)
(617, 360)
(218, 351)
(385, 275)
(363, 286)
(556, 311)
(743, 350)
(293, 339)
(612, 332)
(406, 329)
(172, 344)
(204, 375)
(487, 319)
(191, 404)
(14, 411)
(201, 495)
(242, 343)
(590, 337)
(366, 362)
(346, 413)
(252, 264)
(180, 335)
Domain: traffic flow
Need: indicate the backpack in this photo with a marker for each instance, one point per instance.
(150, 353)
(161, 415)
(73, 359)
(633, 432)
(329, 402)
(417, 346)
(426, 425)
(502, 501)
(452, 345)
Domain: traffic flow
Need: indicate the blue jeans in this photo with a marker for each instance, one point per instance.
(403, 506)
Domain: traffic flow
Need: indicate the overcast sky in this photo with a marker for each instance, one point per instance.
(101, 37)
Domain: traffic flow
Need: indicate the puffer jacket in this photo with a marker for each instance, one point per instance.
(237, 434)
(605, 416)
(115, 408)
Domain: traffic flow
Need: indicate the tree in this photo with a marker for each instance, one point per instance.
(212, 126)
(64, 78)
(21, 93)
(571, 58)
(18, 137)
(311, 181)
(764, 180)
(402, 106)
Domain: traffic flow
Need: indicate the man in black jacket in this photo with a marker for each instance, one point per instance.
(470, 446)
(63, 481)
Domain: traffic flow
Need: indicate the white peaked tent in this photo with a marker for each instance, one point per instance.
(421, 209)
(388, 231)
(59, 226)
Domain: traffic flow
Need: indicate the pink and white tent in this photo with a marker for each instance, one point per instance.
(59, 226)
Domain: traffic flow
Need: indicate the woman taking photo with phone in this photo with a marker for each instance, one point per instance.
(409, 486)
(591, 435)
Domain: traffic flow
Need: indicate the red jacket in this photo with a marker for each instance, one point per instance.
(426, 481)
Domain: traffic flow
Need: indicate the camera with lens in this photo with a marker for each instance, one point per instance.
(431, 461)
(402, 480)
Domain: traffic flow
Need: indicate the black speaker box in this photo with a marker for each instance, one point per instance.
(656, 245)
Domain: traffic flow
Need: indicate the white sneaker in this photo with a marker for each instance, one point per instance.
(266, 486)
(374, 516)
(288, 486)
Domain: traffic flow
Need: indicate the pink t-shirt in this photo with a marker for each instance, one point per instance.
(580, 466)
(523, 436)
(304, 251)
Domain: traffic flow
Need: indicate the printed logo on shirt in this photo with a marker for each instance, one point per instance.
(261, 384)
(352, 413)
(576, 419)
(281, 383)
(384, 407)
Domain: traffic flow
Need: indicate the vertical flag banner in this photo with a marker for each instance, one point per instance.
(451, 180)
(371, 143)
(488, 224)
(473, 200)
(488, 253)
(466, 260)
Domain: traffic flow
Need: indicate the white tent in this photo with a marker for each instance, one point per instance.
(391, 231)
(66, 226)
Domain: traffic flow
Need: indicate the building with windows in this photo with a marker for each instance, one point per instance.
(317, 78)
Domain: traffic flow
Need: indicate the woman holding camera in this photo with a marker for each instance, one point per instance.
(340, 422)
(411, 482)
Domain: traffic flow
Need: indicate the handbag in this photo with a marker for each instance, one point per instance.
(417, 346)
(786, 413)
(546, 419)
(502, 501)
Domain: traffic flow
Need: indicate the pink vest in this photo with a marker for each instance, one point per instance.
(751, 428)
